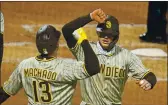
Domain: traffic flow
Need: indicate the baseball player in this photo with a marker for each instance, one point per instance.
(48, 80)
(116, 63)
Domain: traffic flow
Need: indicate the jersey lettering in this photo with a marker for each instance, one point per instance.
(36, 72)
(114, 72)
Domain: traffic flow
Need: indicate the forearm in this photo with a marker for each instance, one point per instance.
(91, 61)
(3, 95)
(1, 47)
(70, 27)
(151, 78)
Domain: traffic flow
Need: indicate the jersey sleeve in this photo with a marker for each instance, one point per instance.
(73, 71)
(14, 83)
(136, 68)
(78, 52)
(2, 23)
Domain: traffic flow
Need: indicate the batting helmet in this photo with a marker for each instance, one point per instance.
(109, 28)
(47, 39)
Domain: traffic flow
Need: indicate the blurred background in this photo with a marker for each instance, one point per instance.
(22, 20)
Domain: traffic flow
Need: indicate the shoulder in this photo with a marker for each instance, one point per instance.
(92, 43)
(123, 51)
(66, 60)
(127, 53)
(68, 63)
(25, 61)
(118, 47)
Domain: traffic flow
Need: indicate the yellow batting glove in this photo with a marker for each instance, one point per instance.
(79, 35)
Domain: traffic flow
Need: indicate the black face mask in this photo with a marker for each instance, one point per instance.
(109, 35)
(102, 35)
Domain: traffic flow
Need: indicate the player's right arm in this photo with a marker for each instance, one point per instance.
(82, 69)
(97, 15)
(74, 34)
(1, 36)
(90, 58)
(3, 94)
(91, 63)
(73, 25)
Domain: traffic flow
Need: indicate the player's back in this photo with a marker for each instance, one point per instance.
(43, 82)
(46, 82)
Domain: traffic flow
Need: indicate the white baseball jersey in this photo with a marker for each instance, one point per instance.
(46, 82)
(116, 66)
(2, 23)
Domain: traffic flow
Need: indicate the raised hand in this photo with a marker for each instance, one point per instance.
(98, 15)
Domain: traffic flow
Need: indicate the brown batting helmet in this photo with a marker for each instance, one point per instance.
(47, 39)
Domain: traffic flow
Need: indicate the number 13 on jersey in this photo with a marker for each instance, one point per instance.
(42, 91)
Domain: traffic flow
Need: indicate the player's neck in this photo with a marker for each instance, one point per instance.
(54, 54)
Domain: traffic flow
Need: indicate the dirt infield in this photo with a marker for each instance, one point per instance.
(34, 14)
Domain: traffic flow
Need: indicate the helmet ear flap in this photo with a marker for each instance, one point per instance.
(112, 44)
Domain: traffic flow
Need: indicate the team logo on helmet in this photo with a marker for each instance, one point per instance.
(108, 24)
(45, 51)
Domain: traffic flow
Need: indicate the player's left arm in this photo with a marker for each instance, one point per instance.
(11, 86)
(145, 78)
(148, 81)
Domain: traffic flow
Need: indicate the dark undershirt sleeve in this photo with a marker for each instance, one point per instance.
(91, 61)
(70, 27)
(1, 48)
(151, 78)
(3, 95)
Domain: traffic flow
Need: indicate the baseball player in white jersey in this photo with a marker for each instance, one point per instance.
(48, 80)
(116, 63)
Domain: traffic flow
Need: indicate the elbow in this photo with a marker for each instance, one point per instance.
(64, 29)
(96, 70)
(67, 30)
(93, 70)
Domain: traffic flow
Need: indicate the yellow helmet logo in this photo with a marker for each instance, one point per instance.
(108, 24)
